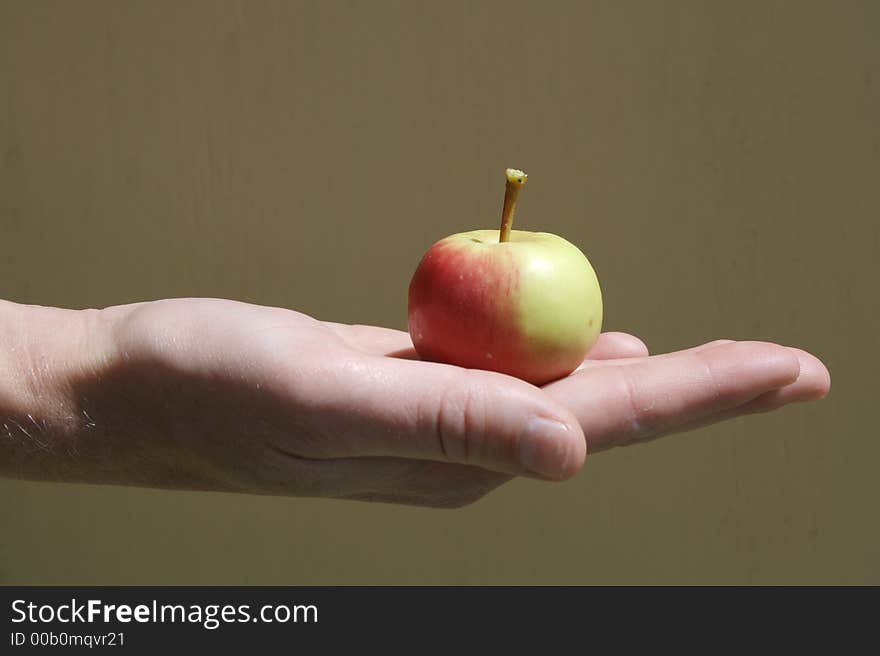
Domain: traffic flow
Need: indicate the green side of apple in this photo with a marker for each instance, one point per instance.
(559, 300)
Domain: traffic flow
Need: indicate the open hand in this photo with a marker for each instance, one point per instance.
(221, 395)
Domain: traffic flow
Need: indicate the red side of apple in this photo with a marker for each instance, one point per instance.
(462, 311)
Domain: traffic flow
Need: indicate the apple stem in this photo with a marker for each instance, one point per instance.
(515, 180)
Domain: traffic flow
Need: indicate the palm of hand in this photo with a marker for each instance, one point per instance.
(271, 401)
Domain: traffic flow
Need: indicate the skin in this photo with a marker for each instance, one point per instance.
(217, 395)
(529, 307)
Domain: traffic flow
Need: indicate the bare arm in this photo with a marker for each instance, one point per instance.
(218, 395)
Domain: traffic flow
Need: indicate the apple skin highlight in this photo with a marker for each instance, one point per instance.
(530, 307)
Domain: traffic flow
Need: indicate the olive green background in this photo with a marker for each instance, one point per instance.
(718, 162)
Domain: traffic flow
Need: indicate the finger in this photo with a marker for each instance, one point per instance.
(641, 358)
(622, 404)
(705, 347)
(813, 383)
(617, 345)
(390, 480)
(378, 406)
(660, 356)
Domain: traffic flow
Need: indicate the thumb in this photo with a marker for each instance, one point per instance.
(380, 406)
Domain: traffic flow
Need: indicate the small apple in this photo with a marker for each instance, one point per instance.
(527, 304)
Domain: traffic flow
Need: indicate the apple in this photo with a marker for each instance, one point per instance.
(527, 304)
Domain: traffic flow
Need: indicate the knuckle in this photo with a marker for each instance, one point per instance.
(718, 397)
(461, 419)
(637, 410)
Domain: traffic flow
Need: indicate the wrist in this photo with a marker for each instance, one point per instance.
(48, 356)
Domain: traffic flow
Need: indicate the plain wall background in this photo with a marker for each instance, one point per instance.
(718, 162)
